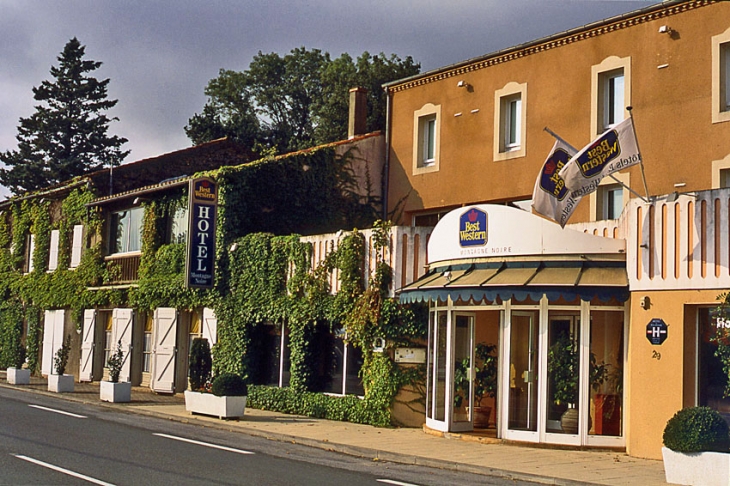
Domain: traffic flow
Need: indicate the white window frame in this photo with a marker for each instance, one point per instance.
(53, 250)
(505, 145)
(720, 168)
(599, 211)
(422, 119)
(601, 74)
(125, 247)
(721, 77)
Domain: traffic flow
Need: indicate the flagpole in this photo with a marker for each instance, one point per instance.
(630, 109)
(560, 139)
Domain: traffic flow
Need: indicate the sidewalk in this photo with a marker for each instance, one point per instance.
(401, 445)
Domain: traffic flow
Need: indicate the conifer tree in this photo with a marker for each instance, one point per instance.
(67, 135)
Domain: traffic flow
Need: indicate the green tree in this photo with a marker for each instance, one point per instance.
(67, 135)
(295, 101)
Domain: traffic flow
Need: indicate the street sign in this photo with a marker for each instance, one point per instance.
(657, 332)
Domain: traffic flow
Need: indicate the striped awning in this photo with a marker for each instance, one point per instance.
(605, 280)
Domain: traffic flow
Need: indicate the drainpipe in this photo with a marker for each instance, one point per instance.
(386, 167)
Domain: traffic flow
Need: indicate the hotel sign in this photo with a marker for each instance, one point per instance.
(473, 228)
(202, 208)
(657, 332)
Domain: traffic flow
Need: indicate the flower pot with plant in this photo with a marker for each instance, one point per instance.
(696, 447)
(563, 364)
(227, 400)
(112, 390)
(59, 382)
(16, 375)
(485, 382)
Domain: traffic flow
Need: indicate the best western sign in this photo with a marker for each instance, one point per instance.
(202, 206)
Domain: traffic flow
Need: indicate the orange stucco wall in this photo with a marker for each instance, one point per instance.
(672, 113)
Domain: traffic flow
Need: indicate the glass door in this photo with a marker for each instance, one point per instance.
(562, 407)
(522, 375)
(436, 379)
(463, 373)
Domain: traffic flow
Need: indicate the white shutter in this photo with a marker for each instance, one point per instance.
(53, 254)
(122, 331)
(164, 348)
(77, 245)
(86, 367)
(210, 326)
(31, 250)
(53, 324)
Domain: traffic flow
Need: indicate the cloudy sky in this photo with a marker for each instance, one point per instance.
(161, 54)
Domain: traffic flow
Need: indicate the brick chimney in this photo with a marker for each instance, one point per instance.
(357, 121)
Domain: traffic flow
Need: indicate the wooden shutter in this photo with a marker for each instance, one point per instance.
(164, 349)
(53, 252)
(122, 331)
(210, 326)
(88, 334)
(31, 250)
(53, 325)
(77, 245)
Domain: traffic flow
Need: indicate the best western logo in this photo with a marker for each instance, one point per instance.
(473, 228)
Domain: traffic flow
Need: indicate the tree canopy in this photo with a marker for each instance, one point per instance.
(67, 135)
(295, 101)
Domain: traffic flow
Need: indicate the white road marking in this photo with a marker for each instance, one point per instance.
(62, 470)
(397, 483)
(57, 411)
(205, 444)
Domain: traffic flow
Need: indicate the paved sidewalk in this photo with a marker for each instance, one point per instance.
(401, 445)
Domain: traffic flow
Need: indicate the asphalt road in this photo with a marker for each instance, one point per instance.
(48, 440)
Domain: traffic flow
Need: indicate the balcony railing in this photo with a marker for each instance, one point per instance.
(124, 268)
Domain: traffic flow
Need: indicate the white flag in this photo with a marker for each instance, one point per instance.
(614, 150)
(551, 197)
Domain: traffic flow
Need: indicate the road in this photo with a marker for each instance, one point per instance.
(48, 440)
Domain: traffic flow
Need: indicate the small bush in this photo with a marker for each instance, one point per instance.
(201, 364)
(230, 385)
(115, 363)
(697, 429)
(61, 359)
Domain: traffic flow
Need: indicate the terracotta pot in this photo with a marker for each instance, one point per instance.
(481, 417)
(569, 421)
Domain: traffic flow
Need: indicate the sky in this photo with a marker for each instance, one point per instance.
(160, 54)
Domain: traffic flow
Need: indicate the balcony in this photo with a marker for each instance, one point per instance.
(123, 268)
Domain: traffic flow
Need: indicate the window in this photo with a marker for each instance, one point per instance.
(611, 93)
(426, 144)
(147, 344)
(608, 201)
(721, 77)
(126, 231)
(179, 226)
(29, 250)
(108, 344)
(510, 121)
(721, 173)
(612, 98)
(53, 251)
(77, 243)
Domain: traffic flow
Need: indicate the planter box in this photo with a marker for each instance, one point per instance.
(61, 383)
(115, 392)
(209, 404)
(696, 468)
(17, 376)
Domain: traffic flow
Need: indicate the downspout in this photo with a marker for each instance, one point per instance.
(386, 167)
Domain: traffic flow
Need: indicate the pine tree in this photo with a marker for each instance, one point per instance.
(67, 135)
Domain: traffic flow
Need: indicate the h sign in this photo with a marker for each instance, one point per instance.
(656, 332)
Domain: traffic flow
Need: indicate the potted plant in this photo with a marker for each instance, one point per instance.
(113, 390)
(563, 364)
(59, 382)
(227, 400)
(696, 446)
(485, 382)
(16, 375)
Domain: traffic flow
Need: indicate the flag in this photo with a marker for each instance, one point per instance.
(614, 150)
(551, 197)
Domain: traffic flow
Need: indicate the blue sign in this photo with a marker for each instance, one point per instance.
(473, 228)
(200, 262)
(657, 332)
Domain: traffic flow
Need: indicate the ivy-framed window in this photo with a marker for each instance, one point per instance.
(125, 234)
(28, 251)
(53, 250)
(178, 227)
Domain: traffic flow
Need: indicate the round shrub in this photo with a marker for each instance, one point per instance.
(229, 384)
(697, 429)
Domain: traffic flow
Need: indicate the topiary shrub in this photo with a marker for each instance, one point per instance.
(697, 429)
(200, 364)
(230, 385)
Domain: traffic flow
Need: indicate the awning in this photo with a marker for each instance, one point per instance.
(605, 280)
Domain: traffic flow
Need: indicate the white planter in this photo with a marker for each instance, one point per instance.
(209, 404)
(18, 376)
(61, 383)
(115, 392)
(696, 468)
